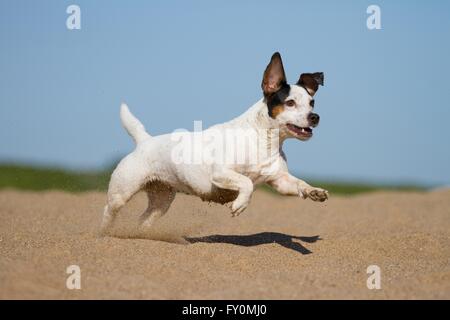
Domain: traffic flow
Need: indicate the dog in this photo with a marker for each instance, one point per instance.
(285, 111)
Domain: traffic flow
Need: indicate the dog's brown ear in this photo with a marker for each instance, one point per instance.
(311, 81)
(274, 76)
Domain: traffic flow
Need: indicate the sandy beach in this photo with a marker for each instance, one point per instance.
(279, 248)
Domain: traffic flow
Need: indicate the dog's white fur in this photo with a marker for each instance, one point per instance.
(150, 167)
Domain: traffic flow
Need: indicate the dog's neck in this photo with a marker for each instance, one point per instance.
(257, 117)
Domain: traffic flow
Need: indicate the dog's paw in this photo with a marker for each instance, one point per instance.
(238, 207)
(315, 194)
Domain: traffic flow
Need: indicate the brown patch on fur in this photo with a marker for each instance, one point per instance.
(277, 110)
(219, 195)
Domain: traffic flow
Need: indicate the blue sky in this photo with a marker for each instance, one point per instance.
(384, 108)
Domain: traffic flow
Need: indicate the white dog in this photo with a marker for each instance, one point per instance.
(285, 111)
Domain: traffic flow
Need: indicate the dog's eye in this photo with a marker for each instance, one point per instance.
(312, 103)
(290, 103)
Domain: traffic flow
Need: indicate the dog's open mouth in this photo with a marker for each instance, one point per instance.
(299, 131)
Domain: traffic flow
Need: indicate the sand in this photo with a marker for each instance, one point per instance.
(279, 248)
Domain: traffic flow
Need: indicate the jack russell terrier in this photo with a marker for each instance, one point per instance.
(285, 111)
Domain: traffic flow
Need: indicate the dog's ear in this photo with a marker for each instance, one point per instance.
(274, 76)
(311, 81)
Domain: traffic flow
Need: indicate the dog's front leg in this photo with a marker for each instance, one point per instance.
(289, 185)
(231, 180)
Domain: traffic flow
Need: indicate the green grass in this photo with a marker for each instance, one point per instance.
(25, 177)
(37, 178)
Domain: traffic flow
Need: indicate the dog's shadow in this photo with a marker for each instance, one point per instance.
(257, 239)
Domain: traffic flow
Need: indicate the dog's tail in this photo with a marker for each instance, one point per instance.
(133, 126)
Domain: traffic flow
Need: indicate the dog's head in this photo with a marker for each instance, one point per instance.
(291, 106)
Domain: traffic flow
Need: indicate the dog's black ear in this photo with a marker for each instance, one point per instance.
(274, 76)
(311, 81)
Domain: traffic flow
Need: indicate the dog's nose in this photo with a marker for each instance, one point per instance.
(313, 119)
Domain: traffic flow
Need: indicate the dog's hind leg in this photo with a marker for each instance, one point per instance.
(124, 184)
(115, 203)
(160, 197)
